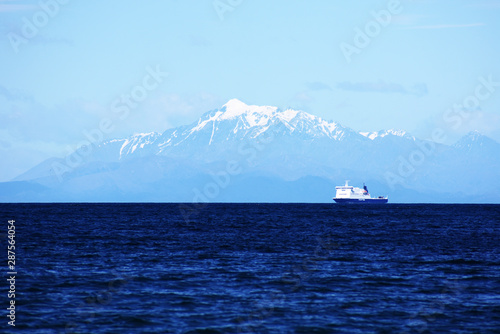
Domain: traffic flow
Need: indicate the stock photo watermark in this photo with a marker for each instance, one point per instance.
(88, 308)
(455, 117)
(371, 30)
(31, 26)
(419, 322)
(120, 107)
(221, 179)
(297, 276)
(223, 6)
(12, 272)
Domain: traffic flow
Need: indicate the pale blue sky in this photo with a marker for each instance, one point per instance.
(64, 78)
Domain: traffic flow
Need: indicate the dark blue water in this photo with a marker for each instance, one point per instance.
(254, 268)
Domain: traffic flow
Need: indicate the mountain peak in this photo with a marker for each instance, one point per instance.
(253, 114)
(474, 135)
(474, 140)
(235, 104)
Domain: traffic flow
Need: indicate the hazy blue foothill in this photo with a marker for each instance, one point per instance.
(247, 153)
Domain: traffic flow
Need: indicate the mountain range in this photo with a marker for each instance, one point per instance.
(248, 153)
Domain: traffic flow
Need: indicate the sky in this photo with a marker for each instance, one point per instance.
(71, 69)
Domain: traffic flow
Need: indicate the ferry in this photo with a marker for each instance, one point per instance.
(350, 194)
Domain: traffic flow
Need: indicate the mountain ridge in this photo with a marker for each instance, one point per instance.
(251, 121)
(269, 146)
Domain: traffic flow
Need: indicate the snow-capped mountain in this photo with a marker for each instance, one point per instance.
(476, 142)
(251, 121)
(267, 154)
(236, 121)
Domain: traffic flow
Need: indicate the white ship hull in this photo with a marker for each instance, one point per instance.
(361, 200)
(349, 194)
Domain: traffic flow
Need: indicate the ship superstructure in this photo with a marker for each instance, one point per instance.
(350, 194)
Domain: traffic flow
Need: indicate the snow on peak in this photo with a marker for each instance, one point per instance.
(474, 135)
(262, 116)
(383, 133)
(474, 139)
(235, 105)
(143, 135)
(253, 114)
(396, 132)
(259, 115)
(233, 108)
(253, 119)
(138, 140)
(288, 115)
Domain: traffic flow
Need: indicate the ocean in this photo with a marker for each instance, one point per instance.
(252, 268)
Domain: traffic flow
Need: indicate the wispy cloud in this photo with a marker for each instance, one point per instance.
(447, 26)
(317, 86)
(200, 41)
(488, 4)
(418, 89)
(13, 95)
(302, 97)
(46, 40)
(408, 19)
